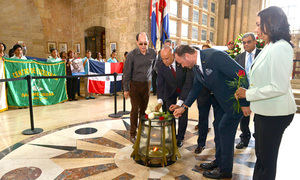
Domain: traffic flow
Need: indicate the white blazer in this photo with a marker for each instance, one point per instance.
(270, 92)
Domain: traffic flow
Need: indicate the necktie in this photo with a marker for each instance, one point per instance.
(173, 71)
(249, 63)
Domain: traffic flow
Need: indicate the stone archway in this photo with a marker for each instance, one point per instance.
(94, 39)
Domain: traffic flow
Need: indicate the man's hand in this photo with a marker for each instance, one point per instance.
(246, 110)
(240, 93)
(126, 94)
(157, 107)
(173, 107)
(178, 112)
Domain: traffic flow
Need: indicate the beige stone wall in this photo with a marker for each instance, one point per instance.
(20, 21)
(121, 24)
(242, 19)
(37, 22)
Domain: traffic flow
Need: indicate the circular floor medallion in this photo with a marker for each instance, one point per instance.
(23, 173)
(85, 131)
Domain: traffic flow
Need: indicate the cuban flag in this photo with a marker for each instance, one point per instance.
(164, 10)
(154, 21)
(104, 84)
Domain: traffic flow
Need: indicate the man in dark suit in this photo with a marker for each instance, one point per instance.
(245, 59)
(213, 69)
(173, 82)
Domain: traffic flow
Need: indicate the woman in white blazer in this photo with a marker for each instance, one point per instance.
(270, 93)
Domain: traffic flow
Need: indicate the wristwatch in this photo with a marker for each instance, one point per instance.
(184, 106)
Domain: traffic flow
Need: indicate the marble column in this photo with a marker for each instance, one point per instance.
(238, 15)
(225, 31)
(245, 12)
(231, 24)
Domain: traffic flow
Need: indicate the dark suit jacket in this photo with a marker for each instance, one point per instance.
(167, 84)
(218, 68)
(242, 57)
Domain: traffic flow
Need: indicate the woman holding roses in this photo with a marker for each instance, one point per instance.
(270, 93)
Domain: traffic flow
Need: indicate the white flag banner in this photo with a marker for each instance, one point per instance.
(3, 101)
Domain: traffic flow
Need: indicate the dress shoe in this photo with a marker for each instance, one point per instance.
(179, 143)
(199, 149)
(241, 145)
(132, 139)
(209, 166)
(217, 174)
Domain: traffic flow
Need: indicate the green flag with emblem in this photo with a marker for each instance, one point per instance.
(44, 91)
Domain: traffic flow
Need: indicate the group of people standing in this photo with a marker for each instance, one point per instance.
(187, 73)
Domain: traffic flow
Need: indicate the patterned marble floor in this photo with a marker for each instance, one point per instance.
(101, 150)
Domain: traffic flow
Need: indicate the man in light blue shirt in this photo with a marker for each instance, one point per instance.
(85, 62)
(54, 56)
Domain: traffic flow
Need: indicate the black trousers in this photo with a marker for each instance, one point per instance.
(225, 126)
(71, 87)
(154, 82)
(268, 134)
(244, 125)
(203, 108)
(182, 120)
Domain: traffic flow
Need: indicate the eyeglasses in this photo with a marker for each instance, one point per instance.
(145, 44)
(247, 42)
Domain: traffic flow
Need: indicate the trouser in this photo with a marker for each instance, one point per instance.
(203, 109)
(182, 120)
(225, 126)
(71, 87)
(139, 97)
(154, 77)
(78, 87)
(244, 126)
(268, 134)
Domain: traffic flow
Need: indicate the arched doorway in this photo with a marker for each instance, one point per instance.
(94, 38)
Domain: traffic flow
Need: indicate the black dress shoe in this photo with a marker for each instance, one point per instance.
(209, 166)
(241, 145)
(199, 149)
(179, 143)
(217, 174)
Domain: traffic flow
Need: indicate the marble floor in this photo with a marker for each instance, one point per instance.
(80, 141)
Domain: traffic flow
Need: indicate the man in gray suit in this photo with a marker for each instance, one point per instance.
(246, 59)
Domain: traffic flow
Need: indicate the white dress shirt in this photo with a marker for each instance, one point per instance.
(179, 102)
(199, 61)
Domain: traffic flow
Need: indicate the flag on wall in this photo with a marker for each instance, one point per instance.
(154, 21)
(164, 10)
(104, 84)
(3, 101)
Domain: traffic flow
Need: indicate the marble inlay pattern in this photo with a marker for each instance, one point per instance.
(31, 173)
(124, 176)
(85, 154)
(105, 142)
(106, 153)
(78, 173)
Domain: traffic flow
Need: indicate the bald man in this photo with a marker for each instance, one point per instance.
(173, 86)
(137, 78)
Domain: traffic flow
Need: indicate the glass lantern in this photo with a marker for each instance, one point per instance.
(156, 142)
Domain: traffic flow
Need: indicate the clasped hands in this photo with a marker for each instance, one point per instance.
(239, 94)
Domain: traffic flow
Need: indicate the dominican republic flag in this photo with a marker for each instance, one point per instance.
(164, 10)
(154, 21)
(104, 84)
